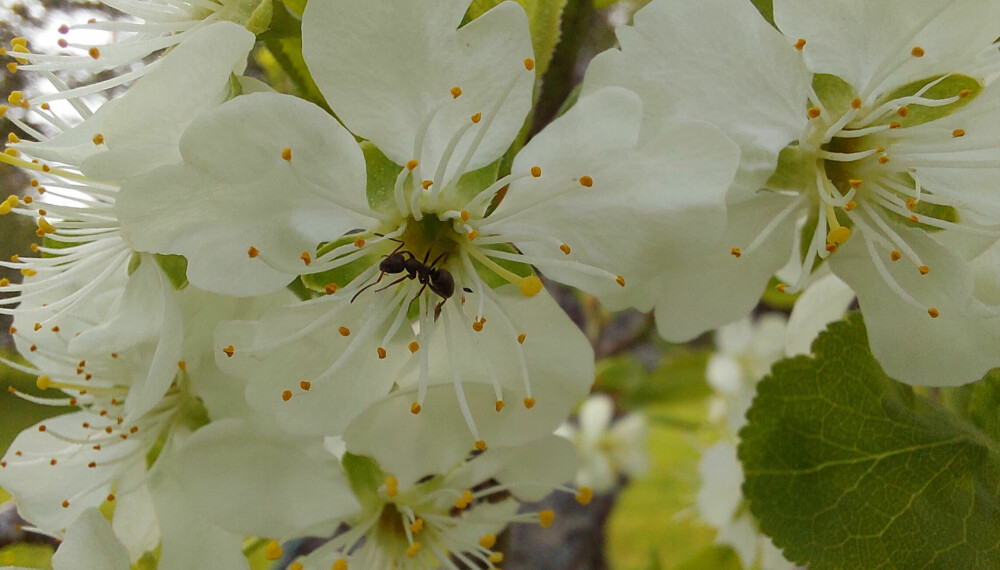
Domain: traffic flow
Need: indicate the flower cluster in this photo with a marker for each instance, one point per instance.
(267, 317)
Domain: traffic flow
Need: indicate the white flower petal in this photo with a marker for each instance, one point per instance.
(403, 57)
(254, 484)
(822, 303)
(956, 348)
(721, 478)
(237, 191)
(530, 470)
(595, 417)
(90, 544)
(135, 522)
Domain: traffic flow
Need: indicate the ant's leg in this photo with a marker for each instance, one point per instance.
(437, 309)
(372, 284)
(400, 280)
(440, 258)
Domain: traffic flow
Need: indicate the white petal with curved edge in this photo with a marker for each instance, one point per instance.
(716, 61)
(301, 343)
(709, 291)
(531, 471)
(90, 545)
(595, 417)
(822, 303)
(237, 191)
(721, 478)
(386, 67)
(956, 348)
(646, 208)
(228, 462)
(869, 43)
(135, 522)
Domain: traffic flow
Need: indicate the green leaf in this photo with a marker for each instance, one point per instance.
(283, 63)
(295, 6)
(835, 93)
(847, 468)
(283, 23)
(715, 557)
(175, 266)
(796, 171)
(766, 9)
(951, 86)
(544, 18)
(984, 404)
(382, 174)
(338, 276)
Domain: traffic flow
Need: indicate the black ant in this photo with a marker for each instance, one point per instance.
(438, 279)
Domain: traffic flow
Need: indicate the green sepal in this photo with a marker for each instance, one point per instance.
(949, 87)
(175, 267)
(544, 19)
(766, 9)
(284, 24)
(795, 171)
(472, 183)
(133, 262)
(286, 69)
(260, 18)
(847, 468)
(342, 275)
(235, 87)
(382, 174)
(365, 477)
(834, 93)
(296, 7)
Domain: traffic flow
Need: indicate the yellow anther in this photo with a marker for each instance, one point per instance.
(295, 566)
(415, 408)
(414, 346)
(4, 208)
(391, 486)
(180, 364)
(934, 313)
(306, 258)
(917, 51)
(11, 152)
(586, 181)
(65, 504)
(529, 403)
(253, 252)
(417, 526)
(465, 215)
(94, 52)
(45, 226)
(536, 171)
(28, 272)
(37, 327)
(529, 64)
(895, 125)
(895, 255)
(477, 117)
(496, 557)
(19, 41)
(850, 205)
(110, 498)
(229, 350)
(914, 219)
(12, 138)
(565, 249)
(883, 159)
(521, 337)
(620, 281)
(530, 286)
(43, 382)
(330, 288)
(814, 112)
(344, 331)
(838, 236)
(98, 139)
(4, 282)
(924, 270)
(456, 92)
(413, 550)
(286, 395)
(480, 445)
(831, 247)
(381, 353)
(584, 495)
(800, 43)
(305, 385)
(546, 518)
(736, 252)
(273, 551)
(911, 204)
(500, 405)
(359, 243)
(465, 500)
(903, 112)
(477, 326)
(964, 93)
(958, 133)
(411, 164)
(780, 287)
(472, 235)
(340, 564)
(856, 103)
(488, 541)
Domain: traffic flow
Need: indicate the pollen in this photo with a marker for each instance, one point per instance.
(799, 44)
(838, 236)
(456, 92)
(496, 557)
(585, 495)
(521, 337)
(43, 382)
(415, 408)
(286, 395)
(340, 564)
(13, 139)
(65, 504)
(586, 181)
(273, 551)
(850, 205)
(426, 184)
(472, 235)
(488, 541)
(305, 385)
(414, 346)
(964, 93)
(529, 64)
(530, 286)
(480, 445)
(45, 226)
(94, 52)
(620, 281)
(536, 171)
(914, 219)
(895, 255)
(253, 252)
(546, 518)
(924, 270)
(15, 97)
(381, 353)
(417, 526)
(391, 487)
(229, 350)
(917, 52)
(98, 139)
(330, 288)
(11, 152)
(344, 331)
(413, 549)
(477, 117)
(529, 403)
(565, 249)
(883, 159)
(306, 258)
(477, 326)
(500, 405)
(856, 103)
(780, 287)
(411, 164)
(934, 313)
(895, 125)
(911, 204)
(735, 252)
(295, 566)
(814, 112)
(110, 498)
(62, 42)
(466, 499)
(903, 112)
(958, 133)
